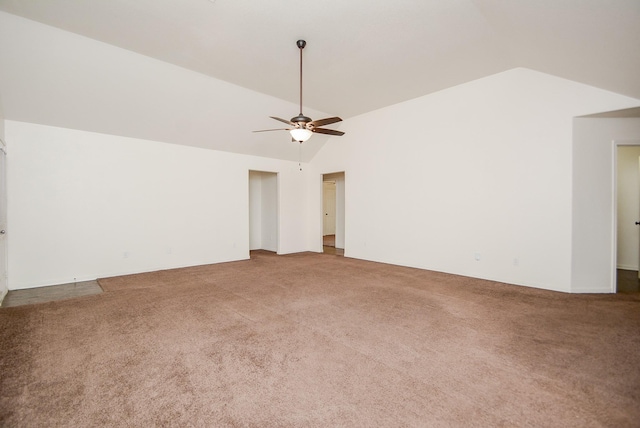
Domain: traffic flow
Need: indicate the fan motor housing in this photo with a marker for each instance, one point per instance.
(301, 118)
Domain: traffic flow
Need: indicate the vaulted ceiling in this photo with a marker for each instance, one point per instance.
(363, 55)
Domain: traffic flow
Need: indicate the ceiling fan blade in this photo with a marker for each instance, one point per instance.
(327, 121)
(278, 129)
(327, 131)
(283, 120)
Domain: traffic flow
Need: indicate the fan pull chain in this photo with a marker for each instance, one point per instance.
(300, 156)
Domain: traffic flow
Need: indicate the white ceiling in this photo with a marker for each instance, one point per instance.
(361, 54)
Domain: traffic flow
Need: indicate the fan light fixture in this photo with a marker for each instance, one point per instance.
(300, 135)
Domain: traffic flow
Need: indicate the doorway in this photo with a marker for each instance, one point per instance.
(627, 208)
(263, 211)
(333, 213)
(3, 221)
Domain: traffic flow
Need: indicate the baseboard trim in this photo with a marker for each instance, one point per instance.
(627, 267)
(591, 291)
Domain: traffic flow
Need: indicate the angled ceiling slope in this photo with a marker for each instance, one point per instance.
(363, 55)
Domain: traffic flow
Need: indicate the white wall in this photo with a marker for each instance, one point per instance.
(481, 170)
(593, 258)
(490, 169)
(628, 207)
(1, 119)
(84, 205)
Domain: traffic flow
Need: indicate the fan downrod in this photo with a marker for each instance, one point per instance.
(301, 44)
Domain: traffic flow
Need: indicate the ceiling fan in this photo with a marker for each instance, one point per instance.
(303, 127)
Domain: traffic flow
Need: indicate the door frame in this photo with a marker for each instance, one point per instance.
(277, 206)
(343, 175)
(4, 271)
(614, 215)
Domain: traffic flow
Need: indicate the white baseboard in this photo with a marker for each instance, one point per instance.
(591, 291)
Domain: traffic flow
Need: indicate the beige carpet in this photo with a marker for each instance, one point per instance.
(317, 340)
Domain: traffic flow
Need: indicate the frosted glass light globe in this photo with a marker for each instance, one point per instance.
(300, 135)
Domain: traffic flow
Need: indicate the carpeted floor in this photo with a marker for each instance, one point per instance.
(316, 340)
